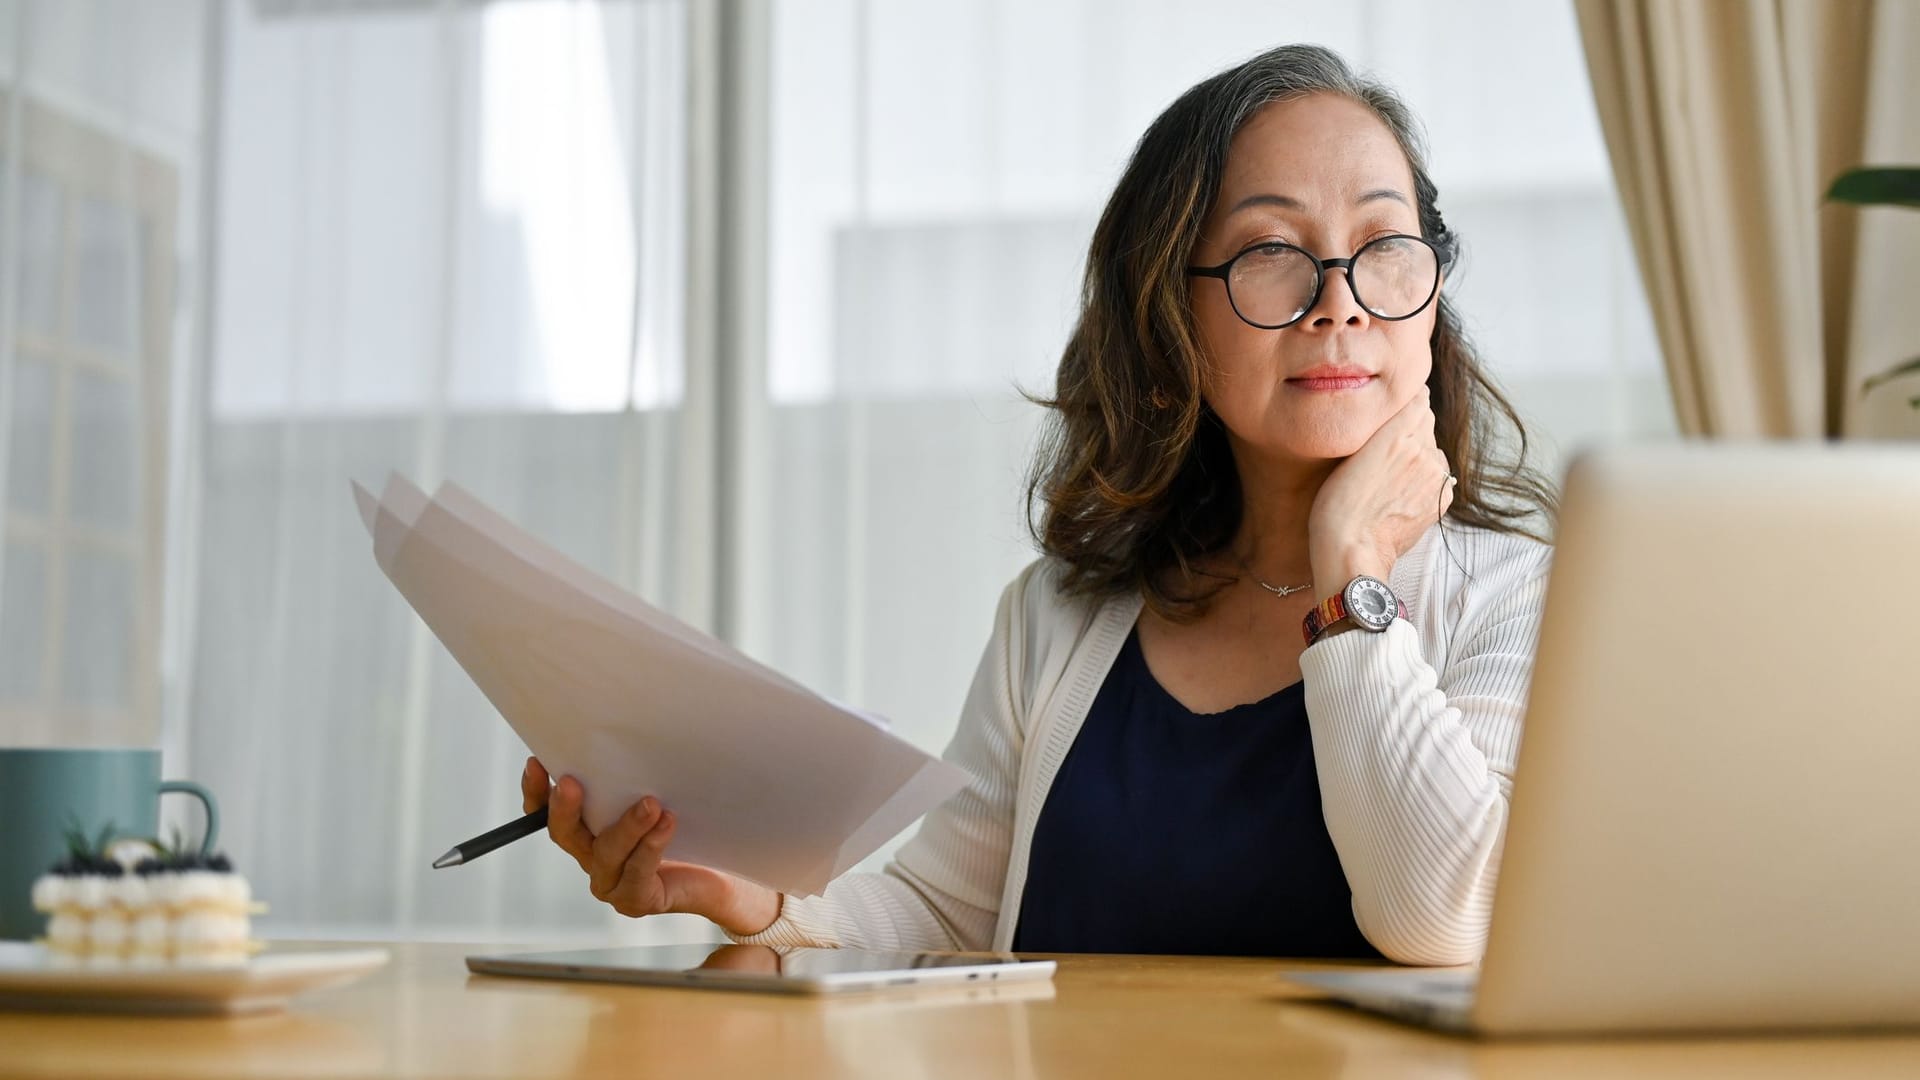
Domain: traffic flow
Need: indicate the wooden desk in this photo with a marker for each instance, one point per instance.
(1159, 1017)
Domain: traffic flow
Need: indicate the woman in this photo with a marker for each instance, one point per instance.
(1263, 693)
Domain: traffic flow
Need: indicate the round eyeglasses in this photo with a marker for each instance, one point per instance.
(1272, 286)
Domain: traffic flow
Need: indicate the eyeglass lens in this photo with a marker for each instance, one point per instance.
(1273, 285)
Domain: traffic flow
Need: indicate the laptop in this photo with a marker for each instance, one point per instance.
(1715, 823)
(768, 969)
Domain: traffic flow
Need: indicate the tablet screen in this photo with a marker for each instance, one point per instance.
(737, 964)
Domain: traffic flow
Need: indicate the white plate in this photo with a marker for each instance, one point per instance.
(28, 980)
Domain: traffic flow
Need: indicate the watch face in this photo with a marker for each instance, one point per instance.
(1370, 603)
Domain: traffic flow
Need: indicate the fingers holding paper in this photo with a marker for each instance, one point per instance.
(626, 863)
(536, 787)
(619, 852)
(622, 862)
(625, 866)
(563, 802)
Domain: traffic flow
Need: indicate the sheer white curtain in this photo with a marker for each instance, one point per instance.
(936, 172)
(450, 242)
(100, 128)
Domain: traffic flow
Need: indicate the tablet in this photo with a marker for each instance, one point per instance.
(764, 967)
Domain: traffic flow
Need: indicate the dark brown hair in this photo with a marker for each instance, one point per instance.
(1134, 476)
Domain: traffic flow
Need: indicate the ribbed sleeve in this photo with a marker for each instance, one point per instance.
(1416, 764)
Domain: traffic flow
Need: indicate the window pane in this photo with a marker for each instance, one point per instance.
(97, 648)
(105, 486)
(30, 457)
(499, 225)
(40, 207)
(23, 621)
(106, 277)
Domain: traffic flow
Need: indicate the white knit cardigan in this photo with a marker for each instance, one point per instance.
(1414, 730)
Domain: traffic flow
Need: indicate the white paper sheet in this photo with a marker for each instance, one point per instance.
(768, 779)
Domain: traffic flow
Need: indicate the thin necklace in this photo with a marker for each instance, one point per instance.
(1277, 590)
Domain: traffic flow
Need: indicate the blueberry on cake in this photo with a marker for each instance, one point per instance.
(144, 905)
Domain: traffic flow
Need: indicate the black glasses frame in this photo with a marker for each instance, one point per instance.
(1442, 259)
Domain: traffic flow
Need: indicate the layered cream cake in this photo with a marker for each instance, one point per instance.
(172, 908)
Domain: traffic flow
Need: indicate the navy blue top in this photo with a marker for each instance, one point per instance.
(1169, 831)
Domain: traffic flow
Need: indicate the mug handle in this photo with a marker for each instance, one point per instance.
(206, 800)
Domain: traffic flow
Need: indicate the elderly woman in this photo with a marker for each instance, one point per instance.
(1263, 692)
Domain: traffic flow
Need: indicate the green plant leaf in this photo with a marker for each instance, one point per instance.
(1883, 186)
(77, 838)
(1890, 374)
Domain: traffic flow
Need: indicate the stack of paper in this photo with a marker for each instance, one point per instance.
(768, 779)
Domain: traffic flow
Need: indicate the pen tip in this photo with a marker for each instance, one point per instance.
(451, 858)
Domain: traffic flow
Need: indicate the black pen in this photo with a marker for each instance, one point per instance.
(493, 838)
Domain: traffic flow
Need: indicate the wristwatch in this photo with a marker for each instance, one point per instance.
(1367, 601)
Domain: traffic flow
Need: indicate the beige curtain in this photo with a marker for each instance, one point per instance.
(1726, 121)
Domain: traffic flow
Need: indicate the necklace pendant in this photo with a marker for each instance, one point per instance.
(1284, 590)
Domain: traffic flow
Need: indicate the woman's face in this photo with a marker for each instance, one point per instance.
(1325, 174)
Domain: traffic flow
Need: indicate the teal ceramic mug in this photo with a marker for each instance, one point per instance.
(44, 793)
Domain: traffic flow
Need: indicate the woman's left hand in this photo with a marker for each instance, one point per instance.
(1377, 503)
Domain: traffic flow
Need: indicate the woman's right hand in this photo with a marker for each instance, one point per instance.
(626, 866)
